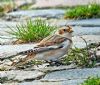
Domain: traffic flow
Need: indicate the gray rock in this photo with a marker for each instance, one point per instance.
(7, 40)
(8, 50)
(13, 83)
(22, 2)
(80, 43)
(56, 3)
(72, 74)
(4, 24)
(98, 54)
(52, 68)
(73, 82)
(19, 75)
(65, 82)
(47, 13)
(83, 22)
(79, 31)
(64, 77)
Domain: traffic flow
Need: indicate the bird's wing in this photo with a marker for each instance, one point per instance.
(41, 49)
(51, 40)
(49, 43)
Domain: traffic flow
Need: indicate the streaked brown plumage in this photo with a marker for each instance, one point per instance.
(52, 47)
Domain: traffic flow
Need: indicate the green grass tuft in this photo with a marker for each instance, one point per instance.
(25, 7)
(83, 12)
(92, 81)
(32, 31)
(1, 9)
(78, 56)
(3, 79)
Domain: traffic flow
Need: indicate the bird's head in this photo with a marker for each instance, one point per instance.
(65, 32)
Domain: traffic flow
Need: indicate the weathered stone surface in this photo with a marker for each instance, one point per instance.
(64, 77)
(56, 3)
(97, 64)
(98, 54)
(4, 24)
(72, 74)
(13, 83)
(80, 43)
(57, 82)
(83, 22)
(22, 2)
(55, 68)
(8, 50)
(19, 75)
(52, 12)
(6, 40)
(79, 31)
(86, 22)
(44, 67)
(47, 13)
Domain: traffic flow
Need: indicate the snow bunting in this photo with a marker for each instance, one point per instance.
(51, 48)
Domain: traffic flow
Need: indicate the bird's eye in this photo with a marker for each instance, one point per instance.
(64, 30)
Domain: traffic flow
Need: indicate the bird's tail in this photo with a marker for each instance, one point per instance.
(12, 55)
(23, 61)
(34, 50)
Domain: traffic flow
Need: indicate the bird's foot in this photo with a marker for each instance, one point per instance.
(54, 63)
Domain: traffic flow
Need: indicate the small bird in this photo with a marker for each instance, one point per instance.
(51, 48)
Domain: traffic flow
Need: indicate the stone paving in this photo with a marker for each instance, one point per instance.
(43, 75)
(56, 3)
(64, 77)
(8, 50)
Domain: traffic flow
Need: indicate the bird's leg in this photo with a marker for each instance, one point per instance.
(48, 61)
(58, 63)
(54, 63)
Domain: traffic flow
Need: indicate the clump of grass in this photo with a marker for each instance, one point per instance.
(1, 9)
(92, 81)
(25, 7)
(4, 79)
(78, 56)
(83, 12)
(32, 31)
(34, 62)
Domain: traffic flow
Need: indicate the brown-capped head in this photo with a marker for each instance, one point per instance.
(66, 29)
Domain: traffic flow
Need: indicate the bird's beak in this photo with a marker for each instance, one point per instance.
(70, 31)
